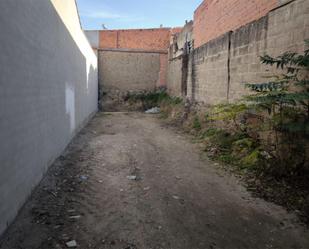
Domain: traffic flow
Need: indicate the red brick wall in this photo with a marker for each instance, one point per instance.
(142, 39)
(216, 17)
(108, 39)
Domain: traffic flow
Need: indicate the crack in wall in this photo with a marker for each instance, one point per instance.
(229, 66)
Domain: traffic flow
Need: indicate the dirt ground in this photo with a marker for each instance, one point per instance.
(129, 182)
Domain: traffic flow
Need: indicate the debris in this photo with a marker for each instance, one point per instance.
(130, 247)
(213, 151)
(154, 110)
(266, 155)
(71, 244)
(83, 178)
(75, 217)
(133, 178)
(147, 188)
(52, 193)
(306, 206)
(176, 197)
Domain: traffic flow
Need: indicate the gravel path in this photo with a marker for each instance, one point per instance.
(128, 182)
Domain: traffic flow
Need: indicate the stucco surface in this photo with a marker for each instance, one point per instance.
(48, 90)
(93, 38)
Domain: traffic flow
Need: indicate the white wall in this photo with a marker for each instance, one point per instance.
(93, 37)
(48, 90)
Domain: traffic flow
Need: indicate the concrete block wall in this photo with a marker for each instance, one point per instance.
(288, 27)
(48, 91)
(208, 78)
(162, 80)
(179, 41)
(283, 29)
(216, 17)
(219, 69)
(247, 45)
(174, 76)
(125, 71)
(137, 44)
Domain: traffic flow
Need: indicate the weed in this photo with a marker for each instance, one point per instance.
(196, 124)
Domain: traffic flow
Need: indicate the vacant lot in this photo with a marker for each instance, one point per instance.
(126, 181)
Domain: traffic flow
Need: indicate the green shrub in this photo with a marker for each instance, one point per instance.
(286, 100)
(252, 160)
(196, 124)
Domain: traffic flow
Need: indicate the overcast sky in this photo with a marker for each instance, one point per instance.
(124, 14)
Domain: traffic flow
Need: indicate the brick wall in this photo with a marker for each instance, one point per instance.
(219, 69)
(144, 41)
(216, 17)
(108, 39)
(147, 39)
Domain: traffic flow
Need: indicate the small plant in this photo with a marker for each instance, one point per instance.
(196, 124)
(148, 99)
(229, 112)
(286, 100)
(264, 136)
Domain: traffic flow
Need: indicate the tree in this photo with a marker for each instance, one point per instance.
(286, 99)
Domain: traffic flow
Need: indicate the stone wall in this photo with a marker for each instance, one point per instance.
(218, 70)
(48, 90)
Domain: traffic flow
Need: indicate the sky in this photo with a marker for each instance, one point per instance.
(127, 14)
